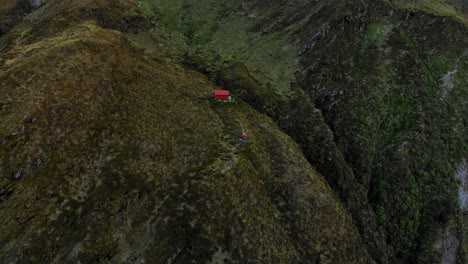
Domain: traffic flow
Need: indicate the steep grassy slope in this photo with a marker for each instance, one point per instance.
(377, 104)
(111, 151)
(110, 154)
(455, 9)
(220, 33)
(397, 110)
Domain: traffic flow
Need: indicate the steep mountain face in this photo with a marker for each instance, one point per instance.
(109, 154)
(111, 149)
(397, 107)
(370, 91)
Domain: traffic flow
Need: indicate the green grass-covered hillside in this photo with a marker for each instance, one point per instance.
(112, 149)
(110, 154)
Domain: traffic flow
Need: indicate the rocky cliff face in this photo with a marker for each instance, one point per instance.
(111, 149)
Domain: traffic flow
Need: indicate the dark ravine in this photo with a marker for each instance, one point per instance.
(356, 133)
(111, 150)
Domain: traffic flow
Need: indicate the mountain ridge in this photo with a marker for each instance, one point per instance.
(117, 106)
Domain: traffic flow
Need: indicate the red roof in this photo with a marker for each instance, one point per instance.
(222, 92)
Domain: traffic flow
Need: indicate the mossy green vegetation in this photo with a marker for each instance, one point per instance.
(224, 33)
(397, 117)
(443, 8)
(112, 149)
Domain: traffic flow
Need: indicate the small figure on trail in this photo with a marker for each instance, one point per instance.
(244, 135)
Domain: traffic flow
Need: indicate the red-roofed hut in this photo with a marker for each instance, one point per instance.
(222, 95)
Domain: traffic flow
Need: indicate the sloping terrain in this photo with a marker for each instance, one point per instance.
(111, 149)
(374, 92)
(109, 154)
(11, 12)
(396, 103)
